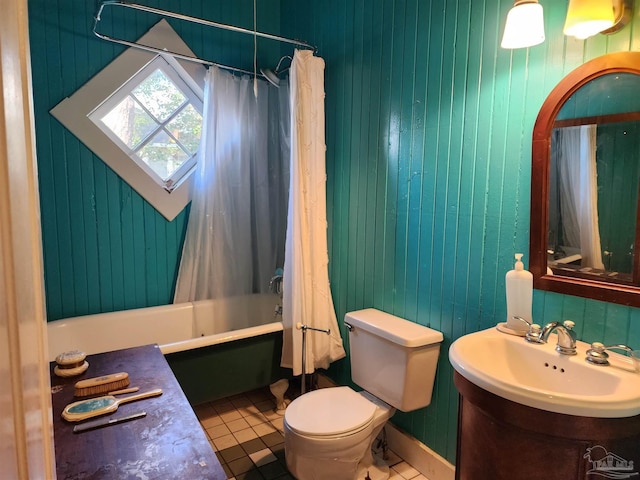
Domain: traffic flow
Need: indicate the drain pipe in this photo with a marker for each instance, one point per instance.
(304, 329)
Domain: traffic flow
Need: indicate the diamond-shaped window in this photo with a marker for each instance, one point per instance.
(137, 106)
(156, 121)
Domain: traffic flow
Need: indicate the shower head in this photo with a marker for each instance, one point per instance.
(271, 77)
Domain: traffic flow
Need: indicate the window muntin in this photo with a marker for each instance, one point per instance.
(156, 119)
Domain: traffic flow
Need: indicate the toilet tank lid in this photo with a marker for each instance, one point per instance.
(395, 329)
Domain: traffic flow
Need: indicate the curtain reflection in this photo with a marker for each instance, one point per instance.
(575, 234)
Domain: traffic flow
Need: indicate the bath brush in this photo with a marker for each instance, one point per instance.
(93, 407)
(101, 385)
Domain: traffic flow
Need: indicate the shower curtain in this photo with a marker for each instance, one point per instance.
(307, 296)
(237, 223)
(576, 161)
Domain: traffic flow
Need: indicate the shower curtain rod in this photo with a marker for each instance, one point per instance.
(187, 18)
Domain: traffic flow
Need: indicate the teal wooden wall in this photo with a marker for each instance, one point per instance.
(105, 247)
(429, 129)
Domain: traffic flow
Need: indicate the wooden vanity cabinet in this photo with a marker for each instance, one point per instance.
(502, 440)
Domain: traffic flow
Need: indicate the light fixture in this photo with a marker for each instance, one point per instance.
(622, 12)
(524, 26)
(588, 17)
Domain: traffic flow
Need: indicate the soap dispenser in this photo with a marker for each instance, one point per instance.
(519, 286)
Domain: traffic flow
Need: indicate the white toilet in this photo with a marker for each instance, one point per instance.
(328, 433)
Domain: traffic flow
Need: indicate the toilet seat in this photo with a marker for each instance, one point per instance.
(329, 412)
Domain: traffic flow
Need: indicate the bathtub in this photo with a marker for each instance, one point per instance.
(216, 348)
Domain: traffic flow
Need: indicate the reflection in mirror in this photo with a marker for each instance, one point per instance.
(593, 197)
(585, 183)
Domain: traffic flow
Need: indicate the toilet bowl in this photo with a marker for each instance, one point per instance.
(329, 433)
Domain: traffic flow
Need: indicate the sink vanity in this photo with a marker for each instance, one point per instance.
(530, 412)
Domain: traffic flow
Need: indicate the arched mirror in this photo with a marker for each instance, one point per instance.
(585, 183)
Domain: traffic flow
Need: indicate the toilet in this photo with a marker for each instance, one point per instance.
(328, 433)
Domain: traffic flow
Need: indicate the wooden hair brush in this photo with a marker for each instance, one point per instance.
(101, 385)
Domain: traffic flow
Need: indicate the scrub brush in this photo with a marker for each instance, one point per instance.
(101, 385)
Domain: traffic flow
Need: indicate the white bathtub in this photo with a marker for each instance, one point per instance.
(211, 344)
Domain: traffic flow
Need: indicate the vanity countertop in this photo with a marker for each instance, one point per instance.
(167, 443)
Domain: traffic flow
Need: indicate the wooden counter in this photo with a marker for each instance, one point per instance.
(168, 443)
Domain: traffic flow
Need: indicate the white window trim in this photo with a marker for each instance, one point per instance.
(73, 113)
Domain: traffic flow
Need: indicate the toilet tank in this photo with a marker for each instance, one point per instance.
(392, 358)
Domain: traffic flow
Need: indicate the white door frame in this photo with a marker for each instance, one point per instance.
(26, 427)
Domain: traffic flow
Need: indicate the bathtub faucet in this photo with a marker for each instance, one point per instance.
(275, 285)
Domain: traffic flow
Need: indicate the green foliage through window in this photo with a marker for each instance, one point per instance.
(157, 122)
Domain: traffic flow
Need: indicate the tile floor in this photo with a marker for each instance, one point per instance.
(247, 436)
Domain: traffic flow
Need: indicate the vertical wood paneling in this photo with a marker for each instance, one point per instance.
(372, 126)
(344, 91)
(335, 216)
(472, 172)
(418, 14)
(105, 248)
(429, 136)
(385, 200)
(402, 94)
(352, 143)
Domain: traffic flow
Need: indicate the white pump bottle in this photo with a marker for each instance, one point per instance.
(519, 286)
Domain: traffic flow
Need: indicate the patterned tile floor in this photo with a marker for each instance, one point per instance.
(247, 436)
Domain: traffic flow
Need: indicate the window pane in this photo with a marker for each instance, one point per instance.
(159, 95)
(129, 122)
(163, 155)
(187, 127)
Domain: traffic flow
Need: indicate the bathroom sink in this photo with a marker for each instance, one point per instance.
(537, 376)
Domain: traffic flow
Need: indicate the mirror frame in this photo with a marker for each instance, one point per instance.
(621, 62)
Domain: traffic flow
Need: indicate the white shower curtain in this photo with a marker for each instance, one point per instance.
(579, 192)
(307, 296)
(237, 223)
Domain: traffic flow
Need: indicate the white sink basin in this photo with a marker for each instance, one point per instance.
(538, 376)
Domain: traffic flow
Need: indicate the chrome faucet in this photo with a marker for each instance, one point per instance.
(526, 322)
(275, 285)
(597, 355)
(566, 336)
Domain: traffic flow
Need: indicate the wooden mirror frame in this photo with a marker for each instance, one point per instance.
(622, 62)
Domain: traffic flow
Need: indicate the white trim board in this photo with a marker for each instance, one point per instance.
(418, 455)
(73, 113)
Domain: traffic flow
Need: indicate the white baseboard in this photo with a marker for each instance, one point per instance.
(409, 448)
(418, 455)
